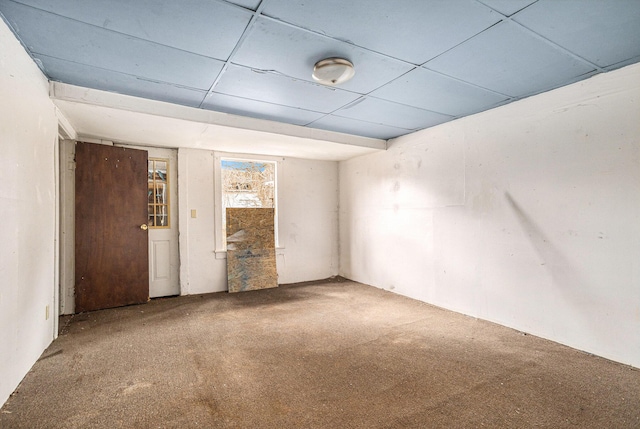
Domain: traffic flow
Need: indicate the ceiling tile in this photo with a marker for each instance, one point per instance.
(92, 77)
(604, 32)
(414, 31)
(55, 36)
(418, 63)
(508, 7)
(431, 91)
(361, 128)
(508, 59)
(277, 89)
(201, 26)
(272, 45)
(259, 109)
(393, 114)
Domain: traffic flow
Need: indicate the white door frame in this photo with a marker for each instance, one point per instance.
(164, 247)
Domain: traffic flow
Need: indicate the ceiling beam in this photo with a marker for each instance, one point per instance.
(77, 94)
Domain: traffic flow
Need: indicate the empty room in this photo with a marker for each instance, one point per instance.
(320, 214)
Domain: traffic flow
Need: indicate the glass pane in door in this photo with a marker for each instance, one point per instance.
(158, 177)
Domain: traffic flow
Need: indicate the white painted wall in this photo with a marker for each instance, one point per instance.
(307, 226)
(308, 220)
(527, 215)
(28, 133)
(200, 271)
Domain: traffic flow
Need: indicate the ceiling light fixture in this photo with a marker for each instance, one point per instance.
(333, 71)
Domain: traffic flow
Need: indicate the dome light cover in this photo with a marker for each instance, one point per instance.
(333, 71)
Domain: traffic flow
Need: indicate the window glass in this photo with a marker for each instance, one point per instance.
(158, 193)
(249, 184)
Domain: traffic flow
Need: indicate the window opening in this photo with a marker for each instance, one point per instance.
(158, 193)
(247, 184)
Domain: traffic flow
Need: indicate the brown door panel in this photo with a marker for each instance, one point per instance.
(111, 250)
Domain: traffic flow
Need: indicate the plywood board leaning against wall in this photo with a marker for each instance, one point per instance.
(251, 253)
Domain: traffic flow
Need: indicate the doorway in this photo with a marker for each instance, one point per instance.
(162, 256)
(164, 259)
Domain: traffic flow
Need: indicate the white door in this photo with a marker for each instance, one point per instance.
(164, 260)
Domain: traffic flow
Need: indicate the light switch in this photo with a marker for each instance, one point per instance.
(193, 213)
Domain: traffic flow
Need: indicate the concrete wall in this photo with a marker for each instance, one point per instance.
(527, 215)
(307, 221)
(28, 133)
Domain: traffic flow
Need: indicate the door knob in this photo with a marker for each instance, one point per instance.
(144, 227)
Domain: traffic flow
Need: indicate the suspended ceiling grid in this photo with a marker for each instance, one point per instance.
(418, 63)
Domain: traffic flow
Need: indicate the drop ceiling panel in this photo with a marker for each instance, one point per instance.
(259, 109)
(58, 37)
(92, 77)
(415, 30)
(392, 114)
(278, 89)
(428, 90)
(272, 45)
(508, 59)
(508, 7)
(361, 128)
(604, 32)
(204, 27)
(431, 57)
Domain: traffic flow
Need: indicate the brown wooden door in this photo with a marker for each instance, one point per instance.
(111, 249)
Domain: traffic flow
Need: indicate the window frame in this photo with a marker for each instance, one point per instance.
(220, 245)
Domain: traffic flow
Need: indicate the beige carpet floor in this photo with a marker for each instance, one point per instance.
(334, 354)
